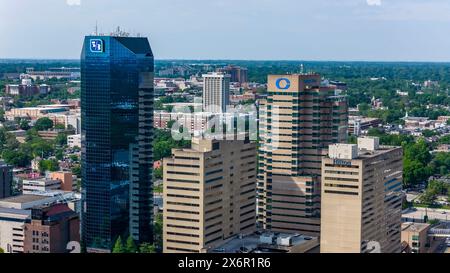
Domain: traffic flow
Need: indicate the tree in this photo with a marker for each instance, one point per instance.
(118, 246)
(76, 171)
(428, 133)
(428, 198)
(158, 173)
(59, 154)
(24, 124)
(43, 124)
(1, 250)
(147, 248)
(131, 245)
(158, 231)
(60, 127)
(51, 165)
(16, 158)
(61, 139)
(74, 158)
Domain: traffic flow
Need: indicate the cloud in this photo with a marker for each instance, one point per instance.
(73, 2)
(374, 2)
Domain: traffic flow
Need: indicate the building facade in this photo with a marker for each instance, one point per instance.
(12, 223)
(116, 118)
(6, 178)
(415, 236)
(362, 198)
(31, 186)
(209, 194)
(298, 120)
(50, 229)
(216, 92)
(65, 178)
(74, 141)
(237, 73)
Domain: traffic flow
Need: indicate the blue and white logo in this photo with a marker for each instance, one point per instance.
(283, 83)
(97, 45)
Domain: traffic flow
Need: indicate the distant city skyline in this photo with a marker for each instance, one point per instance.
(322, 30)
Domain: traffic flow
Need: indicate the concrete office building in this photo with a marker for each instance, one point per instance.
(216, 92)
(415, 236)
(237, 73)
(50, 229)
(12, 223)
(31, 186)
(6, 178)
(74, 141)
(66, 180)
(209, 194)
(298, 120)
(15, 212)
(361, 198)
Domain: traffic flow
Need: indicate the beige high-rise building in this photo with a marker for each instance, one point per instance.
(216, 92)
(209, 194)
(298, 121)
(361, 198)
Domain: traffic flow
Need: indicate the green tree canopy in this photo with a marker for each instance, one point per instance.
(51, 165)
(131, 245)
(147, 248)
(118, 246)
(43, 124)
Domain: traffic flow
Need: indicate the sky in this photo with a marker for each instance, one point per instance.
(347, 30)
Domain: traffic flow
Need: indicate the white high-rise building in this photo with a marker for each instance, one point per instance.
(216, 92)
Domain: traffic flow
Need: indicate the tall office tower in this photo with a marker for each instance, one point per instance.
(298, 121)
(6, 178)
(216, 92)
(361, 198)
(237, 73)
(117, 112)
(209, 194)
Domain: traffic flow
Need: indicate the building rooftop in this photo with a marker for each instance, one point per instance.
(381, 150)
(362, 119)
(414, 227)
(26, 201)
(367, 147)
(15, 213)
(21, 199)
(269, 242)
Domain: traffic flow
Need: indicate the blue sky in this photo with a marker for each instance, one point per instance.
(381, 30)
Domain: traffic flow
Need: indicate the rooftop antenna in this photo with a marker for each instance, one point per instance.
(96, 28)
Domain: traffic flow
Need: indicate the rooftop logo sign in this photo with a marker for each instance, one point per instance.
(97, 46)
(341, 162)
(283, 83)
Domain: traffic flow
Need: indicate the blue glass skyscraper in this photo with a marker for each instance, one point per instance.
(117, 120)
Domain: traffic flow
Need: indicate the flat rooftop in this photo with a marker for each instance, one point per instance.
(381, 150)
(21, 199)
(253, 243)
(362, 119)
(414, 227)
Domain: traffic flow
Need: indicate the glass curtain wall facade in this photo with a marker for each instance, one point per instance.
(117, 116)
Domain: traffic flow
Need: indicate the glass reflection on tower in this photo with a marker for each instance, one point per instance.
(117, 116)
